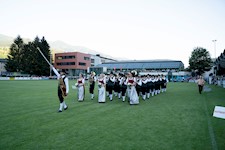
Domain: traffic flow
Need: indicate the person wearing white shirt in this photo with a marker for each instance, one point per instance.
(139, 84)
(148, 86)
(123, 86)
(144, 87)
(111, 83)
(153, 85)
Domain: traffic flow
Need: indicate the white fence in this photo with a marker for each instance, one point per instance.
(24, 78)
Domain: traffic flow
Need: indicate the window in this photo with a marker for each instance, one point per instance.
(69, 57)
(65, 57)
(65, 63)
(92, 61)
(59, 57)
(82, 64)
(86, 58)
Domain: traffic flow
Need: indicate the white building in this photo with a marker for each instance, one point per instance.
(98, 59)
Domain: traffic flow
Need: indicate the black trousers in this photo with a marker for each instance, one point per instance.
(123, 89)
(144, 89)
(110, 89)
(200, 87)
(138, 89)
(92, 87)
(61, 99)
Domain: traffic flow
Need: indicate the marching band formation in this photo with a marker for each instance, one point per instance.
(128, 86)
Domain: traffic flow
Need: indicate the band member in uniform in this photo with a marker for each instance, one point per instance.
(138, 85)
(92, 80)
(148, 86)
(123, 86)
(120, 86)
(63, 88)
(101, 88)
(153, 85)
(80, 86)
(160, 84)
(157, 85)
(111, 83)
(131, 83)
(117, 85)
(144, 87)
(107, 85)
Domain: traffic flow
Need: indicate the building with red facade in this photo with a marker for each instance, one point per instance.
(75, 62)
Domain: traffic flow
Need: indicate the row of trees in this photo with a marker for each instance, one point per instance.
(26, 58)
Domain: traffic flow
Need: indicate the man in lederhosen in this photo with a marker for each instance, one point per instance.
(144, 86)
(111, 83)
(63, 88)
(92, 80)
(138, 85)
(117, 85)
(123, 86)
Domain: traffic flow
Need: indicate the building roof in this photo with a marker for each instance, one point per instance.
(144, 64)
(98, 55)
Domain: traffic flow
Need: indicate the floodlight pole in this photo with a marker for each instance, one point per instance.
(214, 41)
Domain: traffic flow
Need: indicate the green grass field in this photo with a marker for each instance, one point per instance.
(181, 118)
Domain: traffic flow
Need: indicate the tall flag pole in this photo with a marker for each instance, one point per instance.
(44, 56)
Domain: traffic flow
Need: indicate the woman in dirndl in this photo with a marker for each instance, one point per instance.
(131, 83)
(80, 87)
(101, 88)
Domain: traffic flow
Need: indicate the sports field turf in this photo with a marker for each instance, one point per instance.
(181, 118)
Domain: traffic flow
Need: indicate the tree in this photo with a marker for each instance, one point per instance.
(41, 67)
(27, 59)
(46, 51)
(200, 60)
(13, 63)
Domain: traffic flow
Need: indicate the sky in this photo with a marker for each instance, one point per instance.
(132, 29)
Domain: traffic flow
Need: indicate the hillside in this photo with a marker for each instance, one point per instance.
(55, 46)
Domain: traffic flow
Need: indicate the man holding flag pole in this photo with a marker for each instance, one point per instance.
(63, 86)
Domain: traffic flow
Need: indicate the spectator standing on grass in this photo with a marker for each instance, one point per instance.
(164, 83)
(63, 88)
(200, 83)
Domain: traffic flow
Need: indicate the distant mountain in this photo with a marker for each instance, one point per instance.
(60, 46)
(56, 46)
(6, 41)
